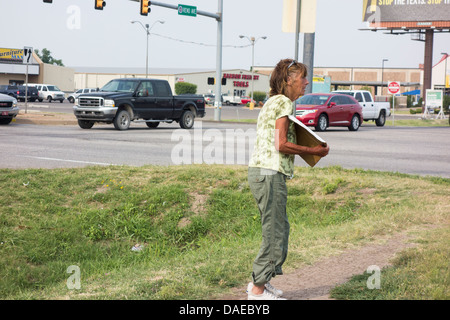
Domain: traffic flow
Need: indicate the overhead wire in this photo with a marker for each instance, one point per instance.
(198, 43)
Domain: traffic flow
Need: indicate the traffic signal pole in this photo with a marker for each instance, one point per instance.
(218, 98)
(219, 18)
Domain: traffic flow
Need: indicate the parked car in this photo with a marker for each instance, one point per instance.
(50, 92)
(71, 97)
(10, 90)
(8, 108)
(372, 110)
(245, 100)
(209, 99)
(31, 92)
(323, 110)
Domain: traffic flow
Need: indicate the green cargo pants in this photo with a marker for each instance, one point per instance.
(270, 192)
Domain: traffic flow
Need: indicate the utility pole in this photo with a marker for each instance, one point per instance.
(308, 58)
(218, 98)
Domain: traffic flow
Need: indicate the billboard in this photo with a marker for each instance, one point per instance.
(407, 13)
(11, 55)
(307, 16)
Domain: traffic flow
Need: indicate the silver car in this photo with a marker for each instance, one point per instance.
(71, 97)
(8, 108)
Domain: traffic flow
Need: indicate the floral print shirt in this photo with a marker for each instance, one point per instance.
(265, 155)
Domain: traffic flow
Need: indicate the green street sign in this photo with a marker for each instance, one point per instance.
(185, 10)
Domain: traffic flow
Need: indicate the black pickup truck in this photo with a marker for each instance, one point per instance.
(124, 100)
(10, 90)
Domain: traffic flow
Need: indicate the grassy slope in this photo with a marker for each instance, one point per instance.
(198, 226)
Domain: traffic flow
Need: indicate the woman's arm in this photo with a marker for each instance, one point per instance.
(284, 146)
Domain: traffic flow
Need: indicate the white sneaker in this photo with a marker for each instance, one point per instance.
(269, 287)
(274, 290)
(266, 295)
(270, 293)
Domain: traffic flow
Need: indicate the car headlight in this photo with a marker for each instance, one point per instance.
(109, 103)
(305, 112)
(77, 101)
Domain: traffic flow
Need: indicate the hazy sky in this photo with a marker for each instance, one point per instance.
(82, 36)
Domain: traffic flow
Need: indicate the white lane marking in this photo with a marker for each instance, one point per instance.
(68, 160)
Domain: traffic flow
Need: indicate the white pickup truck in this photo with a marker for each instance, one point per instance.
(372, 110)
(234, 100)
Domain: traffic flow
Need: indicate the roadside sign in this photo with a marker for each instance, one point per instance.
(434, 98)
(27, 52)
(393, 87)
(185, 10)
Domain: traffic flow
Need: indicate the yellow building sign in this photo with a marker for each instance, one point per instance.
(11, 55)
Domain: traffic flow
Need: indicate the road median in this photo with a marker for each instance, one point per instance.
(46, 118)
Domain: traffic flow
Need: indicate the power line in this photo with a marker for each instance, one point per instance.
(198, 43)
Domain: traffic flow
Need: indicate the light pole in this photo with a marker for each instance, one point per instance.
(252, 41)
(445, 71)
(147, 31)
(382, 74)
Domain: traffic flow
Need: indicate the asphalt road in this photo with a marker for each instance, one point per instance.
(422, 151)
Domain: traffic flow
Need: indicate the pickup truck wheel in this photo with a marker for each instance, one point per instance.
(322, 123)
(5, 120)
(381, 119)
(187, 119)
(152, 124)
(85, 124)
(122, 120)
(355, 123)
(49, 98)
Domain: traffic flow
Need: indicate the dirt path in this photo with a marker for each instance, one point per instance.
(314, 282)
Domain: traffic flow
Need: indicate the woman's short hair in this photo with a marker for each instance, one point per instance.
(279, 76)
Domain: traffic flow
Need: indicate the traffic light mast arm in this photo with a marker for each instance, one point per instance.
(172, 6)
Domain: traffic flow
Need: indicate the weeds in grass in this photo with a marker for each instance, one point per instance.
(197, 226)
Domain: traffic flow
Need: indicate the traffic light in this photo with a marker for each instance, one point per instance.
(145, 4)
(211, 80)
(99, 4)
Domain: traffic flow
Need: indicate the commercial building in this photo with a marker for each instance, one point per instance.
(13, 71)
(238, 82)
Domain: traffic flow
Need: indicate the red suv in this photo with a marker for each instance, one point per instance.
(323, 110)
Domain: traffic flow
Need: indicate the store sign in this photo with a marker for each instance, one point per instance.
(240, 84)
(11, 55)
(240, 76)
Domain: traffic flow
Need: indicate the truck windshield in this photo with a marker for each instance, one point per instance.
(120, 86)
(352, 94)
